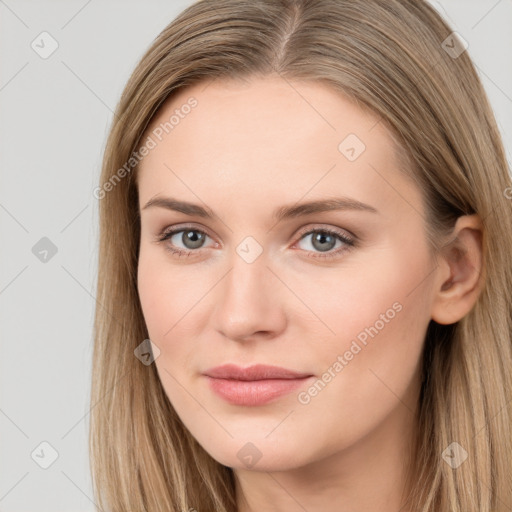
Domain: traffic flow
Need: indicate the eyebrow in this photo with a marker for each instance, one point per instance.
(281, 213)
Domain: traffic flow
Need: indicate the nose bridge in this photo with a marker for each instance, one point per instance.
(247, 301)
(248, 279)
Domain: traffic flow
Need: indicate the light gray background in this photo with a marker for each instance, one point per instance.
(55, 115)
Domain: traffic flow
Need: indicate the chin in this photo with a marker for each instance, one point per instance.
(257, 455)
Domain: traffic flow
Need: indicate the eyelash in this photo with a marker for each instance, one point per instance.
(349, 242)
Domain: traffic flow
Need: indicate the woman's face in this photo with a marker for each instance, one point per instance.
(262, 270)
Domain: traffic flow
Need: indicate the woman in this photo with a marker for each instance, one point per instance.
(304, 271)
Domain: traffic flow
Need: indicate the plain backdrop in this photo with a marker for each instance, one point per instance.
(55, 115)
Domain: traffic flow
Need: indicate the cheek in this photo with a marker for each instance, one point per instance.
(174, 304)
(379, 313)
(154, 297)
(380, 292)
(164, 305)
(378, 308)
(167, 293)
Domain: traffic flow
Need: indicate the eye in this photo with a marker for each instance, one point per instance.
(191, 239)
(324, 240)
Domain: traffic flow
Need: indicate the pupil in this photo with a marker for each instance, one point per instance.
(321, 239)
(194, 238)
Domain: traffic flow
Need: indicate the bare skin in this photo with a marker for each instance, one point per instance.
(245, 150)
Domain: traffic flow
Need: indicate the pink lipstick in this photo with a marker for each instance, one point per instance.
(255, 385)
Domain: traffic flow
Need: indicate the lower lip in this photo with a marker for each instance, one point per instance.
(253, 392)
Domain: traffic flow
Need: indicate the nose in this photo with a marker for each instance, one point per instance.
(250, 301)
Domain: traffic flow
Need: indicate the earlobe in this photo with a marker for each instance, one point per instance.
(461, 271)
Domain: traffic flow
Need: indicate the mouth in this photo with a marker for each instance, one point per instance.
(255, 385)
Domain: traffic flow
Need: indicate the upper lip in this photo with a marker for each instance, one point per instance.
(255, 372)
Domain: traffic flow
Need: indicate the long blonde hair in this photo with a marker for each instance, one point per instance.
(396, 58)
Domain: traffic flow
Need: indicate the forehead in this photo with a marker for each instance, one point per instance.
(266, 108)
(282, 138)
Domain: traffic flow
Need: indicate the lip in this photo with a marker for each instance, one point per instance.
(254, 385)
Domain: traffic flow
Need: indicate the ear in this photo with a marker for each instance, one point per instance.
(460, 272)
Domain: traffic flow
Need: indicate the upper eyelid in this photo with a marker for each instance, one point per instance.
(318, 227)
(176, 229)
